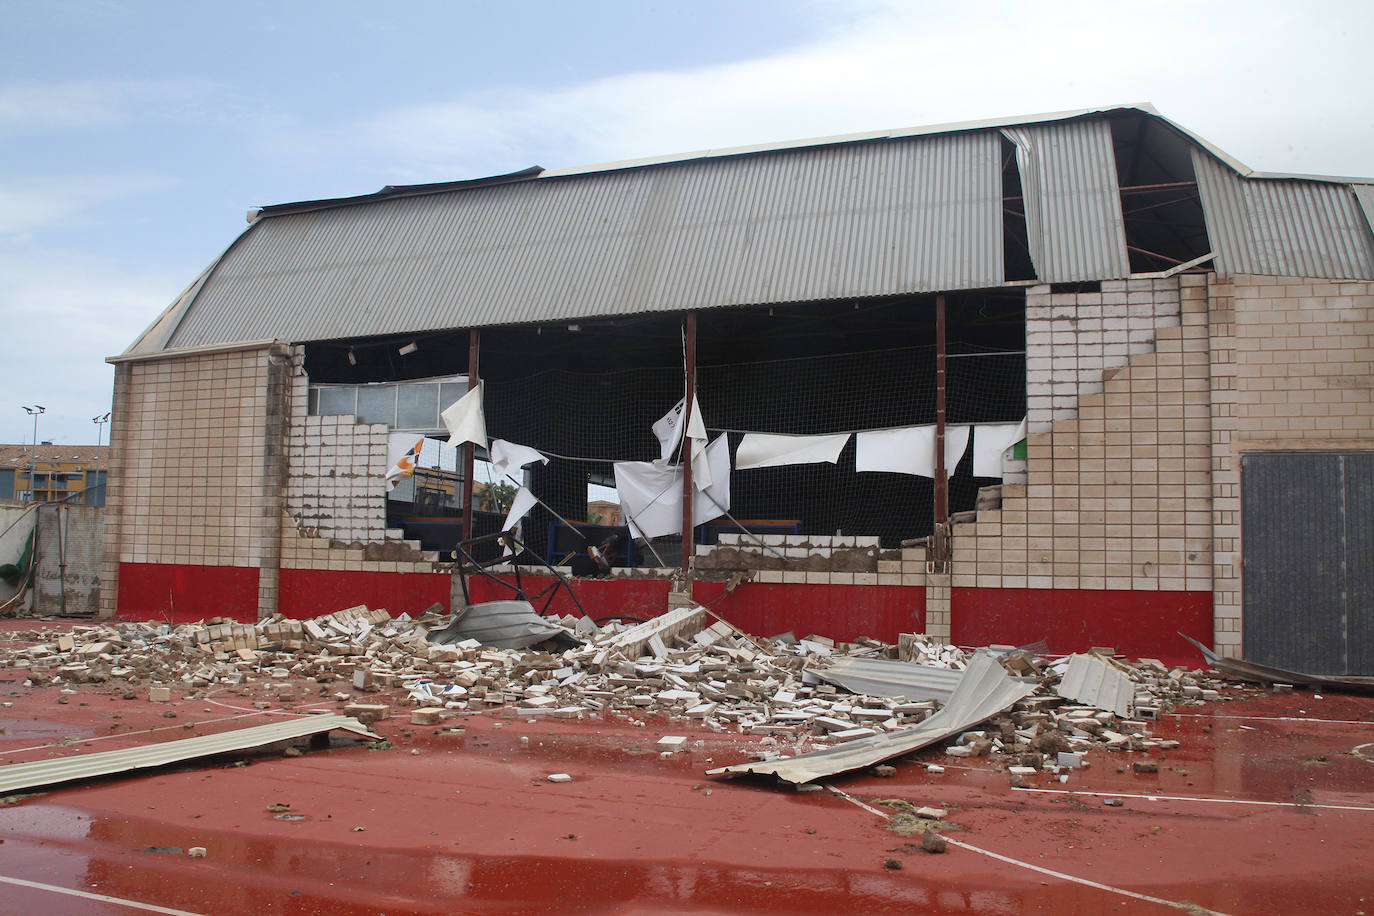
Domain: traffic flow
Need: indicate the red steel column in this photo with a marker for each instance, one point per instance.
(941, 478)
(691, 365)
(470, 450)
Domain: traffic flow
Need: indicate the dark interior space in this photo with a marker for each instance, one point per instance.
(587, 394)
(1160, 205)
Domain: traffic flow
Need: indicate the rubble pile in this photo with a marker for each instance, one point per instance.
(674, 667)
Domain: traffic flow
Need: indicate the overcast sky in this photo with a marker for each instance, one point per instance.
(134, 136)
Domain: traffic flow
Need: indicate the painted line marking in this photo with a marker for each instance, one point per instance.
(103, 898)
(1195, 798)
(1063, 876)
(1358, 751)
(1309, 719)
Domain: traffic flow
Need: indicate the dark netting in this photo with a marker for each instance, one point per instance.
(587, 394)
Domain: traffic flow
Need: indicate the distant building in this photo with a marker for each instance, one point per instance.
(53, 472)
(603, 512)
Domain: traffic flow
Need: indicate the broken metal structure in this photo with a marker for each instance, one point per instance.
(19, 777)
(1113, 280)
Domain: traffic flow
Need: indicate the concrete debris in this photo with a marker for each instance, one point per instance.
(677, 668)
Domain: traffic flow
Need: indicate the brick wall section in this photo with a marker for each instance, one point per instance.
(335, 494)
(336, 486)
(1118, 494)
(1072, 338)
(1292, 368)
(187, 463)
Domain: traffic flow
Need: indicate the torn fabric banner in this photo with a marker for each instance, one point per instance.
(990, 442)
(520, 506)
(668, 429)
(770, 450)
(910, 450)
(404, 449)
(713, 501)
(465, 420)
(507, 457)
(650, 497)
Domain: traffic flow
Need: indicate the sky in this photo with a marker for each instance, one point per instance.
(135, 136)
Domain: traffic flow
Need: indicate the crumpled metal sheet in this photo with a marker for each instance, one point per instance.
(984, 691)
(501, 625)
(1240, 670)
(1094, 682)
(882, 677)
(19, 776)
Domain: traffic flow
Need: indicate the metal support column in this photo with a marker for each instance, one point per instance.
(690, 359)
(940, 540)
(470, 449)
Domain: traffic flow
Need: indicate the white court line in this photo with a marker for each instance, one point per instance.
(103, 898)
(1193, 715)
(1195, 798)
(1187, 907)
(162, 728)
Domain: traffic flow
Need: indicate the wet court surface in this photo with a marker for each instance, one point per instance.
(1266, 807)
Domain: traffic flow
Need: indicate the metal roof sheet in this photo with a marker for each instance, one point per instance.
(1091, 680)
(984, 690)
(1072, 200)
(19, 776)
(881, 214)
(1283, 227)
(869, 219)
(883, 677)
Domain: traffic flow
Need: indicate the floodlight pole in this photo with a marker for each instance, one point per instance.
(34, 411)
(470, 449)
(99, 422)
(690, 361)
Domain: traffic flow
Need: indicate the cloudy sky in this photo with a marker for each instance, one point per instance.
(135, 135)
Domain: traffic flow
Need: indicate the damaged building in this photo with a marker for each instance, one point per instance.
(1057, 378)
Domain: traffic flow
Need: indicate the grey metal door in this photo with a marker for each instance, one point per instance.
(1307, 539)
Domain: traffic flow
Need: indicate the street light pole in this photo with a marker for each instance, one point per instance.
(34, 411)
(99, 422)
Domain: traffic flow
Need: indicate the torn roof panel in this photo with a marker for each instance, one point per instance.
(1092, 681)
(20, 776)
(881, 677)
(984, 691)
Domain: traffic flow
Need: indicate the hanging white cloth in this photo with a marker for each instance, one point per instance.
(910, 450)
(465, 420)
(507, 457)
(990, 443)
(520, 506)
(668, 429)
(770, 450)
(651, 492)
(650, 497)
(712, 501)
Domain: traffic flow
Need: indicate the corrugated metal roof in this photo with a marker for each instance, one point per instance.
(881, 214)
(882, 677)
(1091, 680)
(1072, 200)
(19, 776)
(829, 222)
(984, 690)
(1283, 227)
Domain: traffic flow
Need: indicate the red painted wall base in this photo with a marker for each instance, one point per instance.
(306, 593)
(180, 593)
(1072, 620)
(842, 612)
(1135, 622)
